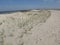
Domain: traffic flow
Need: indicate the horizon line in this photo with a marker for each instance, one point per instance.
(7, 12)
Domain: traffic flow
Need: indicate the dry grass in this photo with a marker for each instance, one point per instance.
(21, 23)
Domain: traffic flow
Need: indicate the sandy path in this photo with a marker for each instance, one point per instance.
(48, 33)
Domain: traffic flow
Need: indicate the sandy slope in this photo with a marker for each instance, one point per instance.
(30, 28)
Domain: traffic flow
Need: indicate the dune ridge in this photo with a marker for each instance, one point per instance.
(34, 27)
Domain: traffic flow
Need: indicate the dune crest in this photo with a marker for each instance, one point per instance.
(34, 27)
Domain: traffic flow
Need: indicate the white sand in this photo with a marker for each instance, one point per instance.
(31, 28)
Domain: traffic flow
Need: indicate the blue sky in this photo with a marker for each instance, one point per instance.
(6, 5)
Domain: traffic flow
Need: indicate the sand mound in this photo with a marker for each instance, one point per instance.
(28, 28)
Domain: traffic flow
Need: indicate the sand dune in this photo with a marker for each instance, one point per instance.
(35, 27)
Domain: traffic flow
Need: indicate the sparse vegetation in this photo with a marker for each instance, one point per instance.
(2, 37)
(0, 23)
(23, 23)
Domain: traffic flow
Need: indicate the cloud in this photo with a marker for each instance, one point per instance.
(45, 0)
(52, 0)
(48, 0)
(58, 1)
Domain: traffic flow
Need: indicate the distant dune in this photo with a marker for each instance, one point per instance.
(30, 27)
